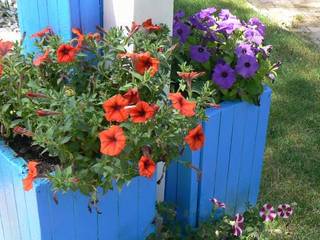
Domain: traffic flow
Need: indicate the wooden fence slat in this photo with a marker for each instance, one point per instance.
(146, 202)
(90, 13)
(64, 19)
(208, 168)
(239, 119)
(247, 157)
(75, 17)
(109, 207)
(170, 194)
(86, 223)
(53, 16)
(128, 211)
(260, 145)
(43, 13)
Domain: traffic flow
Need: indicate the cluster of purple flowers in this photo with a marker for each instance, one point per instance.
(267, 213)
(213, 29)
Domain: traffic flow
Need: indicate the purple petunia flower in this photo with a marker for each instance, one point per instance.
(244, 49)
(206, 13)
(253, 36)
(238, 226)
(217, 203)
(182, 31)
(178, 15)
(255, 23)
(266, 51)
(285, 211)
(229, 25)
(267, 213)
(225, 14)
(247, 66)
(199, 53)
(210, 36)
(223, 75)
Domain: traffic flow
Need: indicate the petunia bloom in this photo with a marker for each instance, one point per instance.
(244, 49)
(224, 75)
(1, 69)
(253, 36)
(132, 96)
(115, 109)
(41, 58)
(22, 131)
(35, 95)
(66, 53)
(5, 47)
(147, 167)
(190, 76)
(142, 112)
(148, 25)
(255, 23)
(238, 225)
(32, 174)
(144, 62)
(42, 33)
(181, 31)
(199, 53)
(113, 141)
(45, 113)
(267, 213)
(80, 38)
(284, 211)
(217, 203)
(247, 66)
(195, 138)
(185, 107)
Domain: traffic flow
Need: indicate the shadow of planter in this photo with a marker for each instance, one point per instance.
(230, 162)
(33, 215)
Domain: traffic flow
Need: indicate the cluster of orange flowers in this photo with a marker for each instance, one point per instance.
(5, 47)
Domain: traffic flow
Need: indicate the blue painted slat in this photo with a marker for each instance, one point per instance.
(239, 120)
(64, 12)
(85, 222)
(208, 162)
(247, 157)
(222, 167)
(170, 194)
(31, 21)
(128, 211)
(75, 17)
(53, 15)
(260, 145)
(1, 229)
(43, 13)
(187, 188)
(147, 192)
(109, 207)
(90, 13)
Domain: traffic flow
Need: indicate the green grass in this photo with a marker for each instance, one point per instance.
(292, 164)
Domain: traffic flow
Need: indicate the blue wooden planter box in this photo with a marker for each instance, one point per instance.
(126, 215)
(231, 162)
(60, 15)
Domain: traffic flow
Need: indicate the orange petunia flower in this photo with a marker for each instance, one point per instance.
(143, 62)
(189, 76)
(66, 53)
(42, 33)
(115, 108)
(147, 167)
(80, 36)
(41, 58)
(94, 36)
(142, 112)
(185, 107)
(195, 138)
(22, 131)
(148, 25)
(132, 96)
(5, 47)
(113, 141)
(32, 174)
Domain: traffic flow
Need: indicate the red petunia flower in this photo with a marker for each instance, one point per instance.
(115, 108)
(5, 47)
(132, 96)
(80, 36)
(189, 76)
(22, 131)
(148, 25)
(185, 107)
(195, 138)
(32, 174)
(147, 167)
(142, 112)
(45, 113)
(66, 53)
(143, 62)
(35, 95)
(94, 36)
(41, 58)
(113, 141)
(42, 33)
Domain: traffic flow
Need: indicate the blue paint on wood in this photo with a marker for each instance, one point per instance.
(263, 118)
(231, 161)
(33, 215)
(90, 15)
(210, 151)
(170, 194)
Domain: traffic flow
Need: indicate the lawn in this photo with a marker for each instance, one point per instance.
(292, 163)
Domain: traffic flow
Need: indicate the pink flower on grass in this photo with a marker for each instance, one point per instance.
(238, 226)
(217, 203)
(267, 213)
(285, 210)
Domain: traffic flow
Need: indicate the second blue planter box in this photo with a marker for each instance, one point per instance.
(230, 162)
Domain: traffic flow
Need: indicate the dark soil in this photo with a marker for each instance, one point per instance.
(23, 148)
